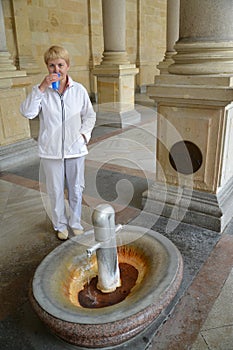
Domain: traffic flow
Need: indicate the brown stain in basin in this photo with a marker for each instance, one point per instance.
(91, 297)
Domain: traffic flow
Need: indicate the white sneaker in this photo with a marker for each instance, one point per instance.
(63, 235)
(77, 232)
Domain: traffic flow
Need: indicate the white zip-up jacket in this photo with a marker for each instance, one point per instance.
(63, 120)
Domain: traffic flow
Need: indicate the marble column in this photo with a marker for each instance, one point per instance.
(172, 35)
(194, 180)
(115, 75)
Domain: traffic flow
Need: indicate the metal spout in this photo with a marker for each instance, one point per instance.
(103, 219)
(91, 250)
(96, 246)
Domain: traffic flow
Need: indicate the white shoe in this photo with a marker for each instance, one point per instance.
(63, 235)
(77, 232)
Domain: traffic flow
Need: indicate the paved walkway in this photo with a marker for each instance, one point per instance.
(119, 167)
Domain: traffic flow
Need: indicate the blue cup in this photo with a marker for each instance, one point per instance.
(56, 84)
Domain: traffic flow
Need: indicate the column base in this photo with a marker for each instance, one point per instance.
(167, 61)
(206, 210)
(6, 63)
(29, 64)
(8, 78)
(18, 153)
(117, 57)
(201, 58)
(118, 119)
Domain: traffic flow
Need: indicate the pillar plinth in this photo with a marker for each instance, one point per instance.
(115, 86)
(14, 127)
(194, 113)
(194, 181)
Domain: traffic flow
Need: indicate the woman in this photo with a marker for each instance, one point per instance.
(66, 119)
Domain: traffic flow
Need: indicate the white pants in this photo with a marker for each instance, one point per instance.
(61, 173)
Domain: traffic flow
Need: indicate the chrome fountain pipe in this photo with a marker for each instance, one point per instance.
(103, 219)
(96, 246)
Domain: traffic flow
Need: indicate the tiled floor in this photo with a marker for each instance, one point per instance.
(119, 167)
(217, 331)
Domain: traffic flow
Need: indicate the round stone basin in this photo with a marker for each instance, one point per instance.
(64, 272)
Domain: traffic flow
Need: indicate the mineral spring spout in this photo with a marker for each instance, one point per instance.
(103, 219)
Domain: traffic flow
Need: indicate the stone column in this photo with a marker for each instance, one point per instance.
(114, 32)
(25, 59)
(15, 140)
(6, 64)
(7, 67)
(173, 9)
(194, 181)
(115, 74)
(205, 44)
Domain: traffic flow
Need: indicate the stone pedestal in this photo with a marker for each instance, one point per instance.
(16, 144)
(116, 89)
(194, 150)
(14, 126)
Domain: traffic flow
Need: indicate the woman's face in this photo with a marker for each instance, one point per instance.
(58, 66)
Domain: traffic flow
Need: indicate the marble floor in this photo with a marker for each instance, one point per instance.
(119, 167)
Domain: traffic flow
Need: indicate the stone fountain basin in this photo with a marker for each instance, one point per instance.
(63, 273)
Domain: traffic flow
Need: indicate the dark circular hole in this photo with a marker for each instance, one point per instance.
(185, 157)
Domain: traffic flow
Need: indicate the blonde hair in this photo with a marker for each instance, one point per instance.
(55, 52)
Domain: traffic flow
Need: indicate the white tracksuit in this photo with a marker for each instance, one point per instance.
(63, 120)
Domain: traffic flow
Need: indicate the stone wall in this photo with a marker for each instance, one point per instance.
(77, 25)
